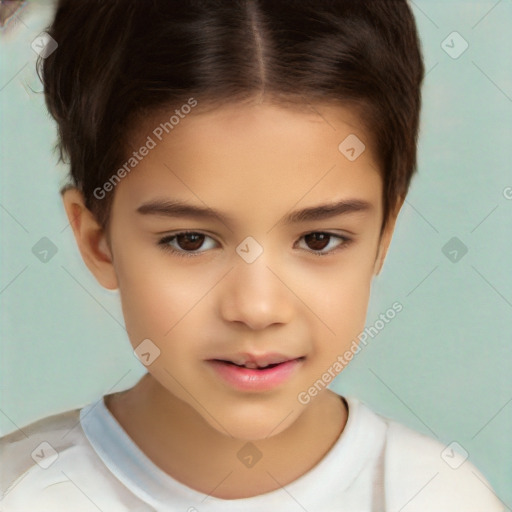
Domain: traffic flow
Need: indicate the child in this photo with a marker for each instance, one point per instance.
(237, 170)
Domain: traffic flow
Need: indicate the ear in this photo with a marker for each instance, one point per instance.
(91, 240)
(386, 236)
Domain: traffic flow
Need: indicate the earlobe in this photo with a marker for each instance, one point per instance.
(90, 238)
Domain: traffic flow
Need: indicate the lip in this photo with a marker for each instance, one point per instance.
(249, 379)
(261, 360)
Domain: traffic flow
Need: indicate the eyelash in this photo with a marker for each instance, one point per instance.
(188, 254)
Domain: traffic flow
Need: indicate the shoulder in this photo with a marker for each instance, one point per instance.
(35, 444)
(41, 461)
(422, 474)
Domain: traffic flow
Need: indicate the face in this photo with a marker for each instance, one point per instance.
(258, 285)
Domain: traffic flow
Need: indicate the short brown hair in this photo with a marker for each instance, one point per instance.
(120, 59)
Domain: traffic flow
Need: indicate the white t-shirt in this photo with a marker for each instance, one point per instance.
(82, 460)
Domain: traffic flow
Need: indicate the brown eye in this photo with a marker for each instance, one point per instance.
(190, 241)
(186, 243)
(317, 241)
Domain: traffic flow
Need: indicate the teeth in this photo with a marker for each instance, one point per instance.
(252, 366)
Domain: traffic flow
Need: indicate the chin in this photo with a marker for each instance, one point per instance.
(253, 424)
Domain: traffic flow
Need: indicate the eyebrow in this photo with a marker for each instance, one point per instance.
(179, 209)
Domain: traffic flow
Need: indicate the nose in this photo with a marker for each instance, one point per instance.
(257, 294)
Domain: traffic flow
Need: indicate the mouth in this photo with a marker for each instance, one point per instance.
(253, 375)
(257, 361)
(250, 365)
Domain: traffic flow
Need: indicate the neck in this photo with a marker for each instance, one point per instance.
(181, 443)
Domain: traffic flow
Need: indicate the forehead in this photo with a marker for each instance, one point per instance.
(253, 156)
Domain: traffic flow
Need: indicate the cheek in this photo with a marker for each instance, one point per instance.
(339, 301)
(346, 300)
(158, 296)
(340, 292)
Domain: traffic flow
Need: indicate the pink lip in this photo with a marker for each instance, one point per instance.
(248, 379)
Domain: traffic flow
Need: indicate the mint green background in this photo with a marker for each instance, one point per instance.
(442, 366)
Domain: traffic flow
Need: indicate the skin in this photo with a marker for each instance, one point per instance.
(240, 160)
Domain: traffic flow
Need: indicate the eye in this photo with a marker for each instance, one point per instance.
(319, 240)
(188, 243)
